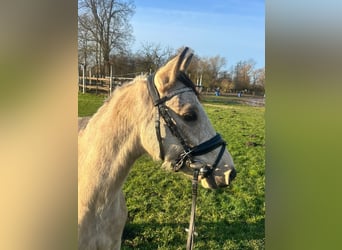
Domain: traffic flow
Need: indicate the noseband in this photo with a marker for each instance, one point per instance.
(186, 158)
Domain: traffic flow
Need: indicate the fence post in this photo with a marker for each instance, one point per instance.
(111, 80)
(83, 81)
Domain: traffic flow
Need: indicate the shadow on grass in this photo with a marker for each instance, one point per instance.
(173, 235)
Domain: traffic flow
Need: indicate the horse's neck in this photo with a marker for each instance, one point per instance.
(110, 144)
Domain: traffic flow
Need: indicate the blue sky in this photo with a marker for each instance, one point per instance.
(234, 29)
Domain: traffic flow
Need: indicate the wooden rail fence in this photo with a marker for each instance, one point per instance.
(102, 84)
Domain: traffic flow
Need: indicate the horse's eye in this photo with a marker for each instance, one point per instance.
(190, 116)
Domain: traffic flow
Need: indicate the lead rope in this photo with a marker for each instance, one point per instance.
(191, 230)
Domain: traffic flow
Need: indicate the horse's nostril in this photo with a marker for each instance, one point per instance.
(232, 175)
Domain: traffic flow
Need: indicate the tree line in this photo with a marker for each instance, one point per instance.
(105, 37)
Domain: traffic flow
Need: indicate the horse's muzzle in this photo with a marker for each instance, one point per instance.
(229, 176)
(219, 181)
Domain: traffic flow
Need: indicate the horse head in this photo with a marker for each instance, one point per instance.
(187, 140)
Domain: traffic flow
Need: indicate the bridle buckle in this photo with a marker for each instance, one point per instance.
(205, 171)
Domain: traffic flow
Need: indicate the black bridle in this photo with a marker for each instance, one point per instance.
(186, 158)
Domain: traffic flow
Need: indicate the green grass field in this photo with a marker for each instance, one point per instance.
(159, 202)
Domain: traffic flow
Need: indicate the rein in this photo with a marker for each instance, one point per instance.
(186, 158)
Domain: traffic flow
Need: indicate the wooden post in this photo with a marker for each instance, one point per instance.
(83, 80)
(110, 80)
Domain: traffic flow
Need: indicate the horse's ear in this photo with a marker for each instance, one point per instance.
(186, 62)
(166, 75)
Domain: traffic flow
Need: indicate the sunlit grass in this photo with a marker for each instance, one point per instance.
(89, 103)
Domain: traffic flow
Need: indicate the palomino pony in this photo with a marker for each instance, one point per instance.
(160, 115)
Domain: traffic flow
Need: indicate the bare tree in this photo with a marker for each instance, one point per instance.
(211, 70)
(151, 56)
(107, 24)
(86, 48)
(259, 77)
(83, 52)
(258, 82)
(242, 74)
(216, 64)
